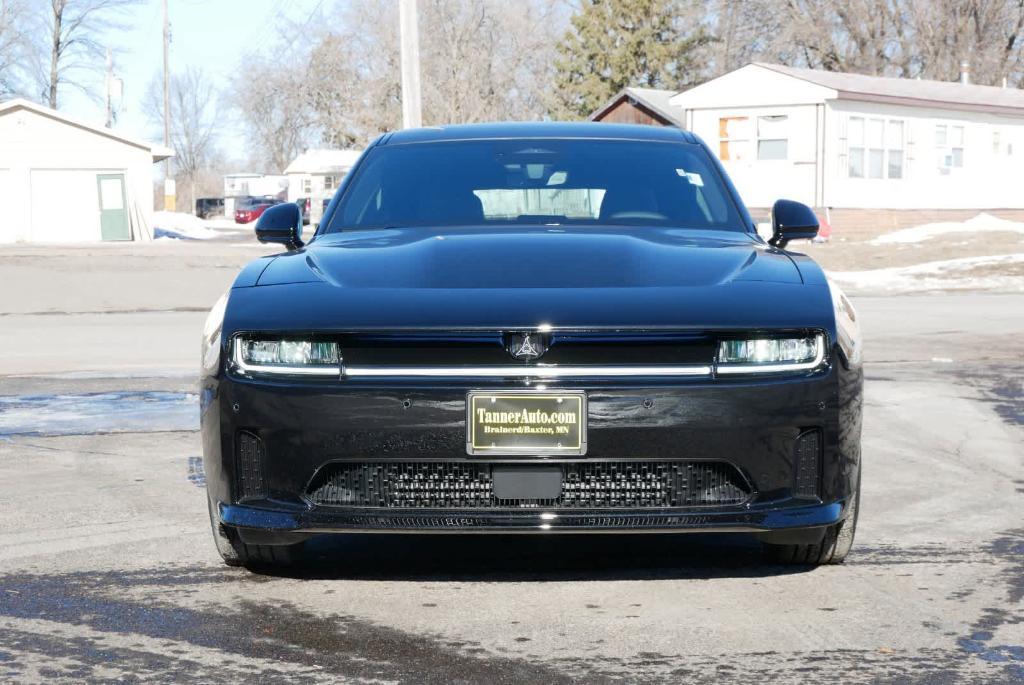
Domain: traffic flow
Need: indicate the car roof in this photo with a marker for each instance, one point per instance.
(545, 129)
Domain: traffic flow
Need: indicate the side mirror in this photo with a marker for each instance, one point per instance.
(281, 224)
(792, 221)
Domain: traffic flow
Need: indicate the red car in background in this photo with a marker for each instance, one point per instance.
(248, 209)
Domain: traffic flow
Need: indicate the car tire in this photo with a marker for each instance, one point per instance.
(834, 545)
(234, 552)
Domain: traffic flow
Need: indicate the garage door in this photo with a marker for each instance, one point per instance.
(65, 205)
(9, 230)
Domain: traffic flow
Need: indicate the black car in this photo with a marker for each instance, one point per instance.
(209, 206)
(537, 328)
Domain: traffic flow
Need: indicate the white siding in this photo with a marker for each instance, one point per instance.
(762, 181)
(816, 169)
(986, 179)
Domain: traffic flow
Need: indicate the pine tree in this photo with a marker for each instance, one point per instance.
(618, 43)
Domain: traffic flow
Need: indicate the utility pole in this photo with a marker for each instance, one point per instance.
(412, 114)
(168, 181)
(110, 85)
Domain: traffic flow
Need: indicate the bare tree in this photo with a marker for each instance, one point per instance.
(271, 105)
(75, 28)
(486, 60)
(14, 20)
(481, 60)
(903, 38)
(353, 84)
(741, 32)
(988, 34)
(195, 123)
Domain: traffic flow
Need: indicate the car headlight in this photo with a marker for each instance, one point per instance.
(287, 357)
(770, 355)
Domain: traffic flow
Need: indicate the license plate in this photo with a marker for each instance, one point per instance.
(526, 423)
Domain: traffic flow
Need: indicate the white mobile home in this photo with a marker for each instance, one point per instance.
(63, 180)
(316, 174)
(245, 184)
(861, 142)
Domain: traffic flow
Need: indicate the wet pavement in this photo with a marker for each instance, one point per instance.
(108, 573)
(101, 412)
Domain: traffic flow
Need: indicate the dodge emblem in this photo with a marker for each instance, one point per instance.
(525, 346)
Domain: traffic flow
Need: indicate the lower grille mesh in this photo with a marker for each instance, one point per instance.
(585, 485)
(807, 454)
(249, 466)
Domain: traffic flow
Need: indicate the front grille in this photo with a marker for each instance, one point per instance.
(585, 485)
(568, 348)
(249, 466)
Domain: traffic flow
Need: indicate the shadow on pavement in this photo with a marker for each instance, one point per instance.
(518, 558)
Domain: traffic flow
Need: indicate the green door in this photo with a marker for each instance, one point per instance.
(113, 207)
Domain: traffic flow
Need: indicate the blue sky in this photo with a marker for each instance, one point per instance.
(212, 34)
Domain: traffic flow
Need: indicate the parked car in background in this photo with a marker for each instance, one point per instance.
(304, 204)
(209, 206)
(248, 209)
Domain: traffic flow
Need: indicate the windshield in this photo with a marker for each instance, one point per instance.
(542, 182)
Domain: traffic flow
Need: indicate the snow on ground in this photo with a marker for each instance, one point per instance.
(221, 223)
(995, 272)
(178, 225)
(982, 223)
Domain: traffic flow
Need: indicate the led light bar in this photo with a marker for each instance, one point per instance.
(770, 355)
(287, 357)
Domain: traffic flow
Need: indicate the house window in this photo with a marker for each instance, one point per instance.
(949, 147)
(957, 142)
(894, 149)
(772, 136)
(733, 138)
(330, 182)
(875, 132)
(307, 186)
(855, 134)
(875, 148)
(995, 143)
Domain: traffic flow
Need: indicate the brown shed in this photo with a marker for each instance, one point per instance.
(640, 106)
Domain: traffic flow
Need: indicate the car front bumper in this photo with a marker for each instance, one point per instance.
(752, 424)
(280, 518)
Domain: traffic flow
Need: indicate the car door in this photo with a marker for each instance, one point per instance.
(113, 207)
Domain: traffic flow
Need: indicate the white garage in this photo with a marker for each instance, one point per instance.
(63, 180)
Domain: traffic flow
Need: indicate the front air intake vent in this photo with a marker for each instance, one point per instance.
(623, 484)
(249, 453)
(807, 460)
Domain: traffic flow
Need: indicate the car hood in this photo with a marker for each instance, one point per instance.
(534, 258)
(475, 279)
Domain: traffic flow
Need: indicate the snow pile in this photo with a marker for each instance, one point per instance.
(950, 274)
(179, 225)
(983, 223)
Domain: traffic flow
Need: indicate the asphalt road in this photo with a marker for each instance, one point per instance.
(108, 573)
